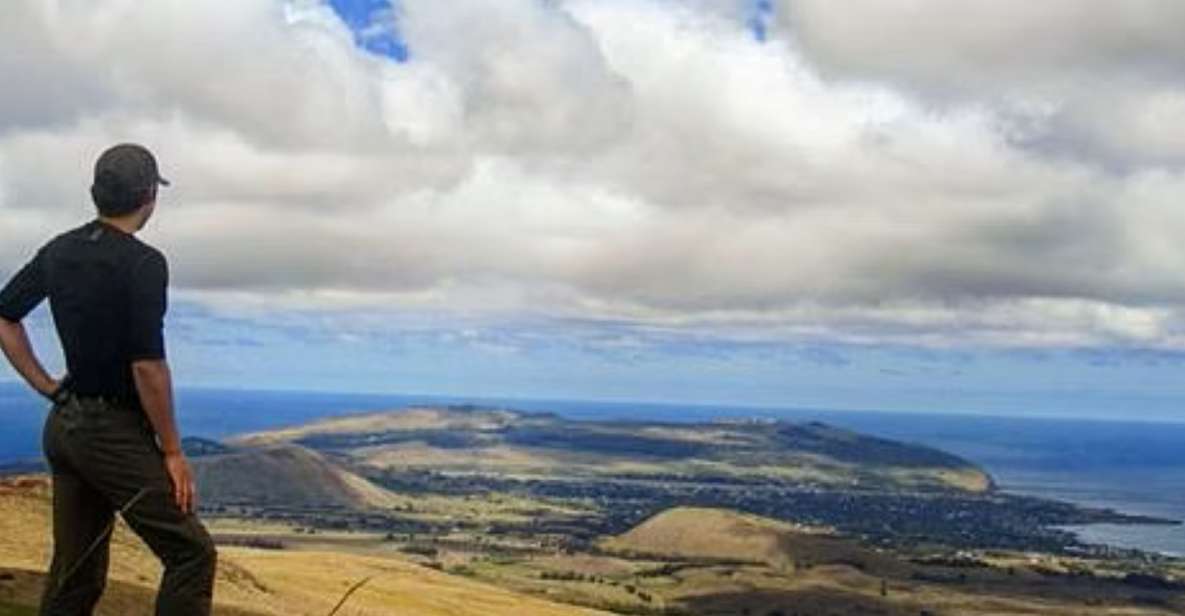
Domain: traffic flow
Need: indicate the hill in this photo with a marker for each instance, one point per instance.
(500, 441)
(250, 582)
(725, 535)
(716, 562)
(288, 475)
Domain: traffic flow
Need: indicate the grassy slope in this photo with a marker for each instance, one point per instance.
(508, 442)
(830, 575)
(252, 582)
(696, 532)
(291, 475)
(287, 474)
(258, 583)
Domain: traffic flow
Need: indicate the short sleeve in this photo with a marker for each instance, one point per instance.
(149, 289)
(25, 290)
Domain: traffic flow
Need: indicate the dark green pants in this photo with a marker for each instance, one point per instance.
(104, 457)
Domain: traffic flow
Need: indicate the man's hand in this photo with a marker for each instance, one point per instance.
(184, 490)
(154, 383)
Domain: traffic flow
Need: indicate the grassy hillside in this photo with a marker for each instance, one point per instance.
(295, 478)
(686, 561)
(704, 533)
(283, 474)
(717, 562)
(499, 441)
(249, 582)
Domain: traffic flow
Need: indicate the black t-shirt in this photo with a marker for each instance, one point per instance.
(107, 293)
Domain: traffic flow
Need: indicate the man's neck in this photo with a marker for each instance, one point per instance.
(127, 224)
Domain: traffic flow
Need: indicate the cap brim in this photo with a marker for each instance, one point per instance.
(162, 181)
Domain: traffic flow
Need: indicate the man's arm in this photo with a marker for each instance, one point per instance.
(154, 383)
(150, 370)
(19, 352)
(23, 292)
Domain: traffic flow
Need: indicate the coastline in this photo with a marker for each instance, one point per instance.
(1165, 538)
(1090, 465)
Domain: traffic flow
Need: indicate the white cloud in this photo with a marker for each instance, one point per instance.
(1026, 47)
(1095, 78)
(646, 161)
(530, 76)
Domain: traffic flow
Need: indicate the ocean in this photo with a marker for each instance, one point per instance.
(1132, 467)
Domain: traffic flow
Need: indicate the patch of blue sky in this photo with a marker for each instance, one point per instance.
(375, 26)
(758, 15)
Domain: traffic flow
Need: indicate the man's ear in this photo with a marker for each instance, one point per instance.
(150, 196)
(147, 208)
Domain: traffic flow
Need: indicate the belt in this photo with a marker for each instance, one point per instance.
(64, 393)
(63, 396)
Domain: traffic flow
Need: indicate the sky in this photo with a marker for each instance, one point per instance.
(873, 204)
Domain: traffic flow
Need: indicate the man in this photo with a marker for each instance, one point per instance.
(111, 439)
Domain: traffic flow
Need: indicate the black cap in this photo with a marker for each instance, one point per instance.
(122, 174)
(130, 164)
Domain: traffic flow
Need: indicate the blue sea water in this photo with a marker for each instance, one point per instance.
(1129, 466)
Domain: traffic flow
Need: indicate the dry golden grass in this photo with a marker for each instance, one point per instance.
(257, 582)
(696, 532)
(410, 418)
(293, 475)
(697, 434)
(963, 479)
(534, 461)
(531, 462)
(488, 453)
(310, 583)
(285, 474)
(415, 454)
(816, 573)
(842, 578)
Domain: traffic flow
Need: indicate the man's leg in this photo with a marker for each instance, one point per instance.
(81, 516)
(118, 455)
(183, 546)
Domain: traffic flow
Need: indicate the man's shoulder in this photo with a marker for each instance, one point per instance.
(63, 239)
(148, 260)
(68, 234)
(126, 248)
(135, 249)
(91, 230)
(146, 250)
